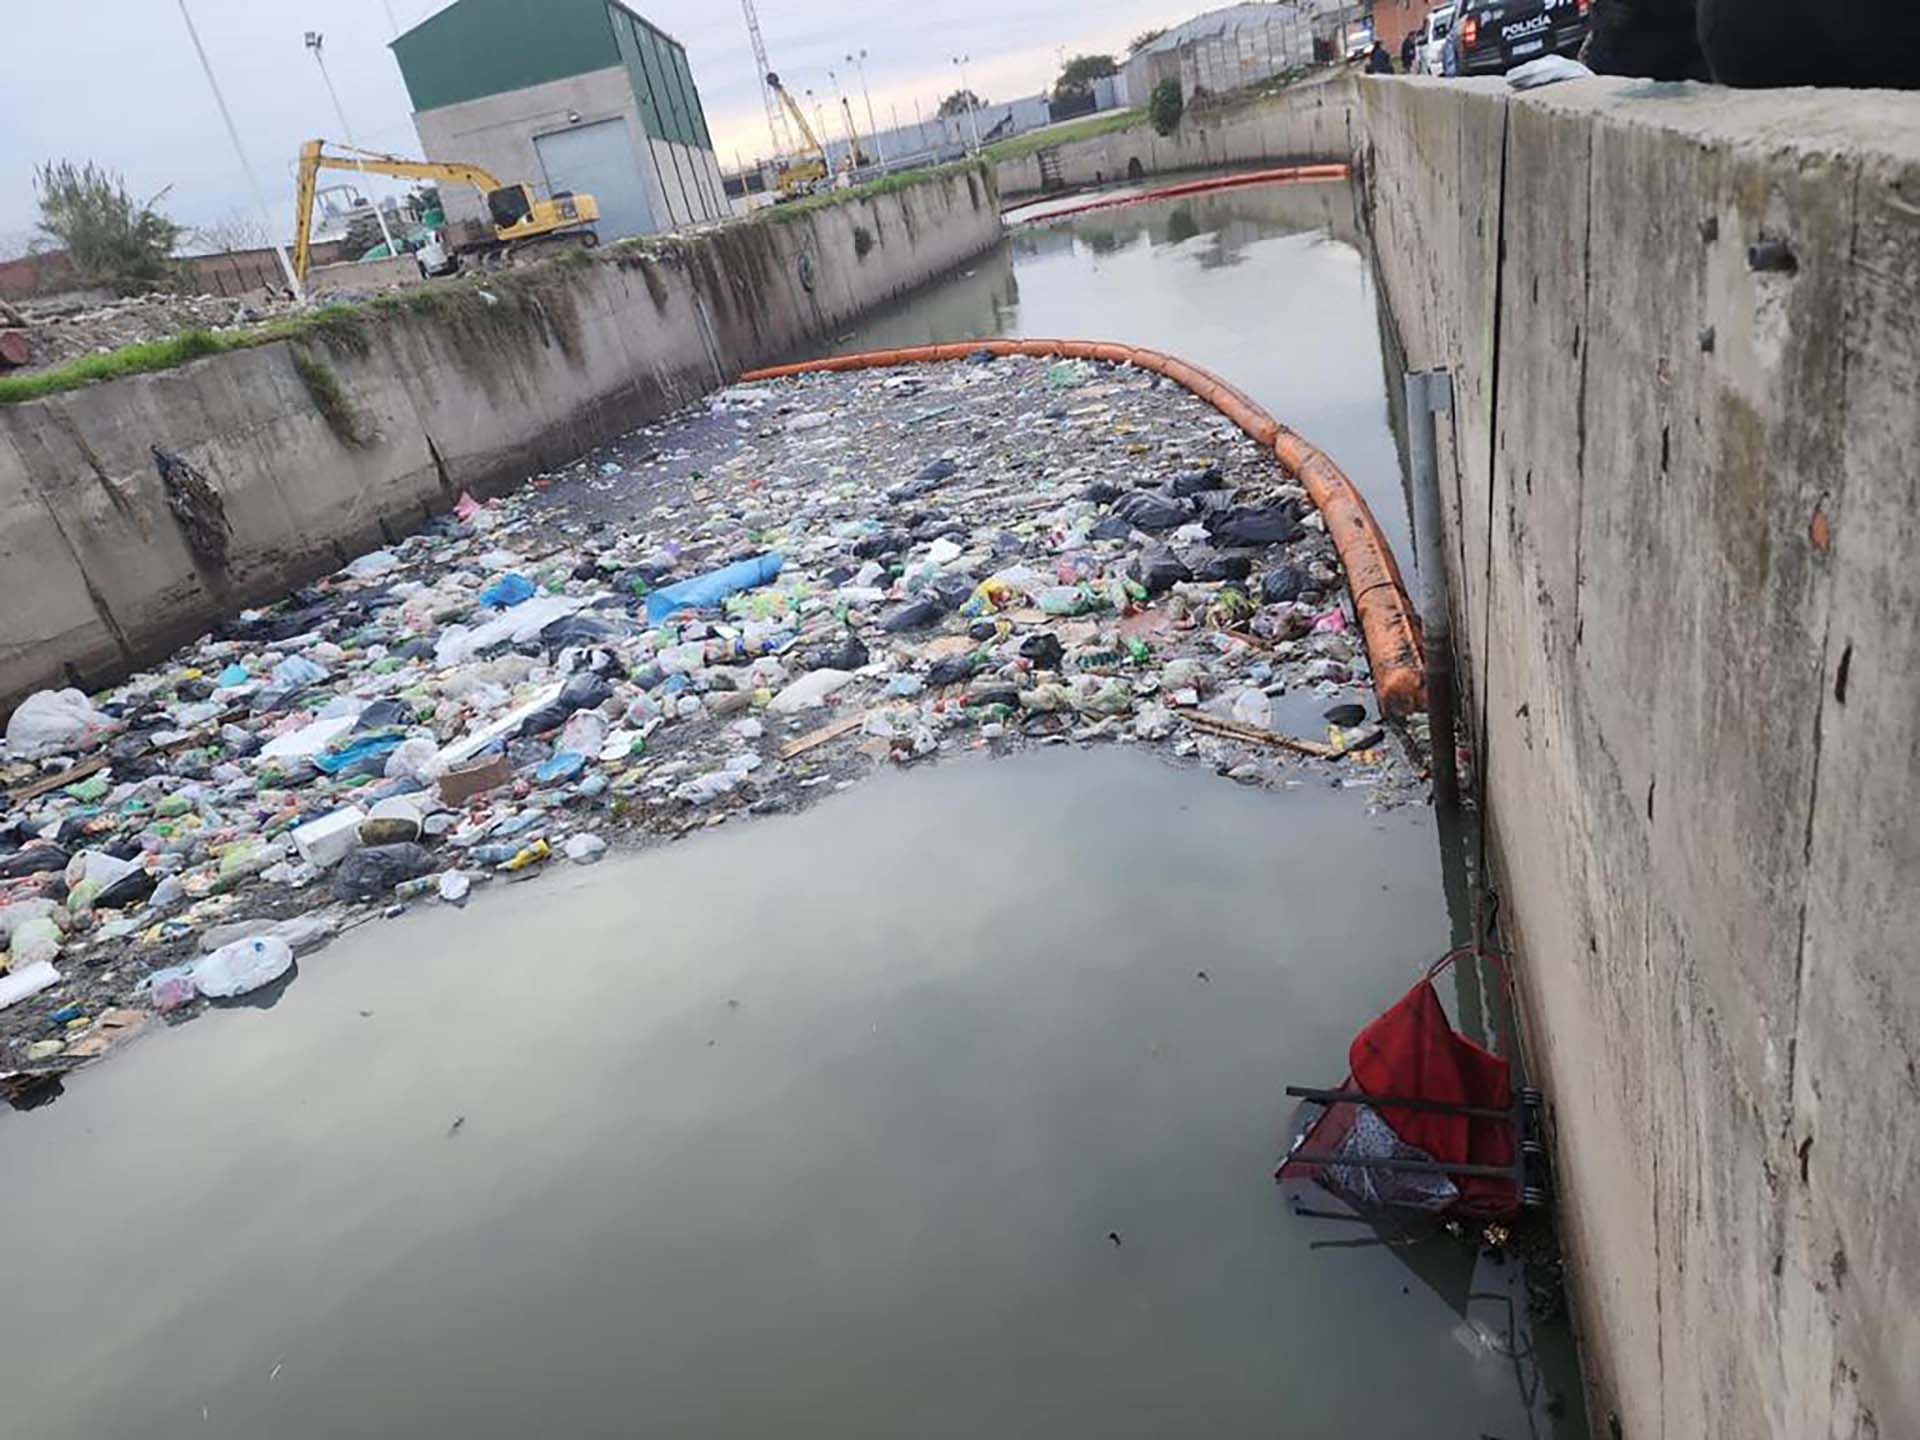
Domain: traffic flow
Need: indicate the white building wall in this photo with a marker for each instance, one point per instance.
(497, 132)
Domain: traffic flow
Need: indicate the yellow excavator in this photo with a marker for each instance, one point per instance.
(799, 174)
(518, 217)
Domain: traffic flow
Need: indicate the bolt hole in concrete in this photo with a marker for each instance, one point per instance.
(823, 1125)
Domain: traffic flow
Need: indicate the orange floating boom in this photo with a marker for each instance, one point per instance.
(1380, 599)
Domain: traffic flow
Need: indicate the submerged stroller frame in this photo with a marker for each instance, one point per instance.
(1426, 1120)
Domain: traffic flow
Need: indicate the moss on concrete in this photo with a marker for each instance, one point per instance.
(513, 308)
(328, 396)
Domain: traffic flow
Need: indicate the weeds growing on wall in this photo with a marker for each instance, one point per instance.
(328, 398)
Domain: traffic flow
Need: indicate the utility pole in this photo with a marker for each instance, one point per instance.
(314, 41)
(233, 134)
(966, 91)
(846, 120)
(873, 130)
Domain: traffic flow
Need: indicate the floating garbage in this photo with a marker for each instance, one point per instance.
(701, 622)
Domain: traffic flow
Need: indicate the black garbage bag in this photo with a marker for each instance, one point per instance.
(849, 654)
(1255, 525)
(951, 589)
(1159, 569)
(579, 630)
(1152, 511)
(584, 690)
(1111, 527)
(1215, 565)
(130, 889)
(880, 544)
(1042, 650)
(1192, 482)
(373, 871)
(1282, 583)
(952, 669)
(916, 614)
(35, 859)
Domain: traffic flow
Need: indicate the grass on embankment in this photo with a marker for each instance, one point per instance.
(885, 185)
(176, 350)
(342, 324)
(1022, 146)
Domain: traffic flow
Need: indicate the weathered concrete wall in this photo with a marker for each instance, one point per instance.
(1311, 121)
(1683, 496)
(322, 446)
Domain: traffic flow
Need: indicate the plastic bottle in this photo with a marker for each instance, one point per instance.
(529, 855)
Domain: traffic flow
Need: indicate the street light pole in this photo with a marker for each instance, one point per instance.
(966, 90)
(233, 134)
(846, 123)
(314, 41)
(873, 130)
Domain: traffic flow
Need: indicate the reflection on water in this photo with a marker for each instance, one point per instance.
(910, 1115)
(1265, 285)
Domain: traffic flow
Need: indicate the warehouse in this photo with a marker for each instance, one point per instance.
(569, 95)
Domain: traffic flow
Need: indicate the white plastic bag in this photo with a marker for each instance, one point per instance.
(243, 966)
(50, 721)
(416, 759)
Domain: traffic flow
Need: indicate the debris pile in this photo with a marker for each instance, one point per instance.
(731, 613)
(56, 333)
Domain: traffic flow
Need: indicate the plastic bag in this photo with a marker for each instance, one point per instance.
(809, 690)
(243, 966)
(373, 872)
(1159, 569)
(50, 721)
(1147, 510)
(705, 591)
(506, 592)
(416, 759)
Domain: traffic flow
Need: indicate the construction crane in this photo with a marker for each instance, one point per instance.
(799, 174)
(516, 215)
(776, 122)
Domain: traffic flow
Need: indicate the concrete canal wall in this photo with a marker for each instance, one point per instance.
(1682, 484)
(1312, 121)
(320, 447)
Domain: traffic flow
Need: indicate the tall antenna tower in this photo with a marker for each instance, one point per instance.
(776, 121)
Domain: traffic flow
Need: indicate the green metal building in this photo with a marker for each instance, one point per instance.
(573, 95)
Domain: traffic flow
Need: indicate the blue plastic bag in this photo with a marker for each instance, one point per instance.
(506, 592)
(705, 591)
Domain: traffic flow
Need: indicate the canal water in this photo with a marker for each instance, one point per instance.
(947, 1108)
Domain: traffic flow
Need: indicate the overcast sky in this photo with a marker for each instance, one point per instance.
(115, 81)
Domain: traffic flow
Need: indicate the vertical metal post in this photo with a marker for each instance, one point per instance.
(1429, 392)
(233, 134)
(314, 43)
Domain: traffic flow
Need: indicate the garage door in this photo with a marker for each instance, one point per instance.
(598, 160)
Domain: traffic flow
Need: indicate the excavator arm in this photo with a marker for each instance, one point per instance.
(315, 157)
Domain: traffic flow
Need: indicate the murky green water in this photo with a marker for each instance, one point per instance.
(819, 1126)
